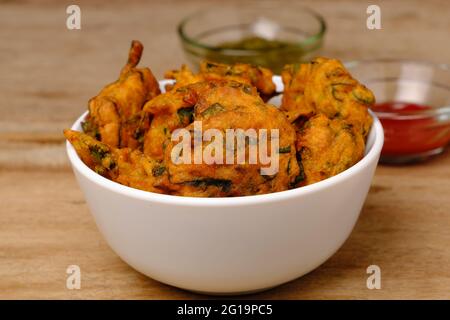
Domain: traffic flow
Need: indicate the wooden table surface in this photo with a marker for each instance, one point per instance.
(47, 75)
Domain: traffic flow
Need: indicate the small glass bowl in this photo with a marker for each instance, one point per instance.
(274, 34)
(413, 105)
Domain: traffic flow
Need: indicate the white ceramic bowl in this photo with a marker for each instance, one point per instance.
(229, 245)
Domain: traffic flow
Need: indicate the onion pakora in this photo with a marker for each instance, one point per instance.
(114, 114)
(212, 134)
(231, 110)
(126, 166)
(324, 86)
(260, 78)
(330, 112)
(327, 147)
(167, 112)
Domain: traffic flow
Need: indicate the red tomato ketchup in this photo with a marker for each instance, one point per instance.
(409, 129)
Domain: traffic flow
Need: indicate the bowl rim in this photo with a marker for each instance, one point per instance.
(436, 111)
(79, 166)
(317, 36)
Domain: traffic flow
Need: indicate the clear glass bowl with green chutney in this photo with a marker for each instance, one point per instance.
(263, 33)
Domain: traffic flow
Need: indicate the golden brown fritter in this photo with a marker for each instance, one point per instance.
(327, 147)
(324, 86)
(321, 127)
(167, 112)
(259, 77)
(183, 77)
(225, 108)
(114, 114)
(295, 79)
(225, 95)
(125, 166)
(175, 109)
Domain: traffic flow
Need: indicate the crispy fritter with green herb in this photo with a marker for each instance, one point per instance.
(260, 78)
(327, 147)
(321, 128)
(324, 86)
(180, 106)
(235, 107)
(167, 112)
(114, 114)
(125, 166)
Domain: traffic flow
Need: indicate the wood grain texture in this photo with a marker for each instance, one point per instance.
(49, 73)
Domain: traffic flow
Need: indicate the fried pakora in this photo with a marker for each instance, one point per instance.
(175, 109)
(126, 166)
(232, 110)
(327, 147)
(212, 134)
(259, 77)
(114, 114)
(167, 112)
(324, 86)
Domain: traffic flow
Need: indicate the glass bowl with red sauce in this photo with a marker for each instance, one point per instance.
(413, 105)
